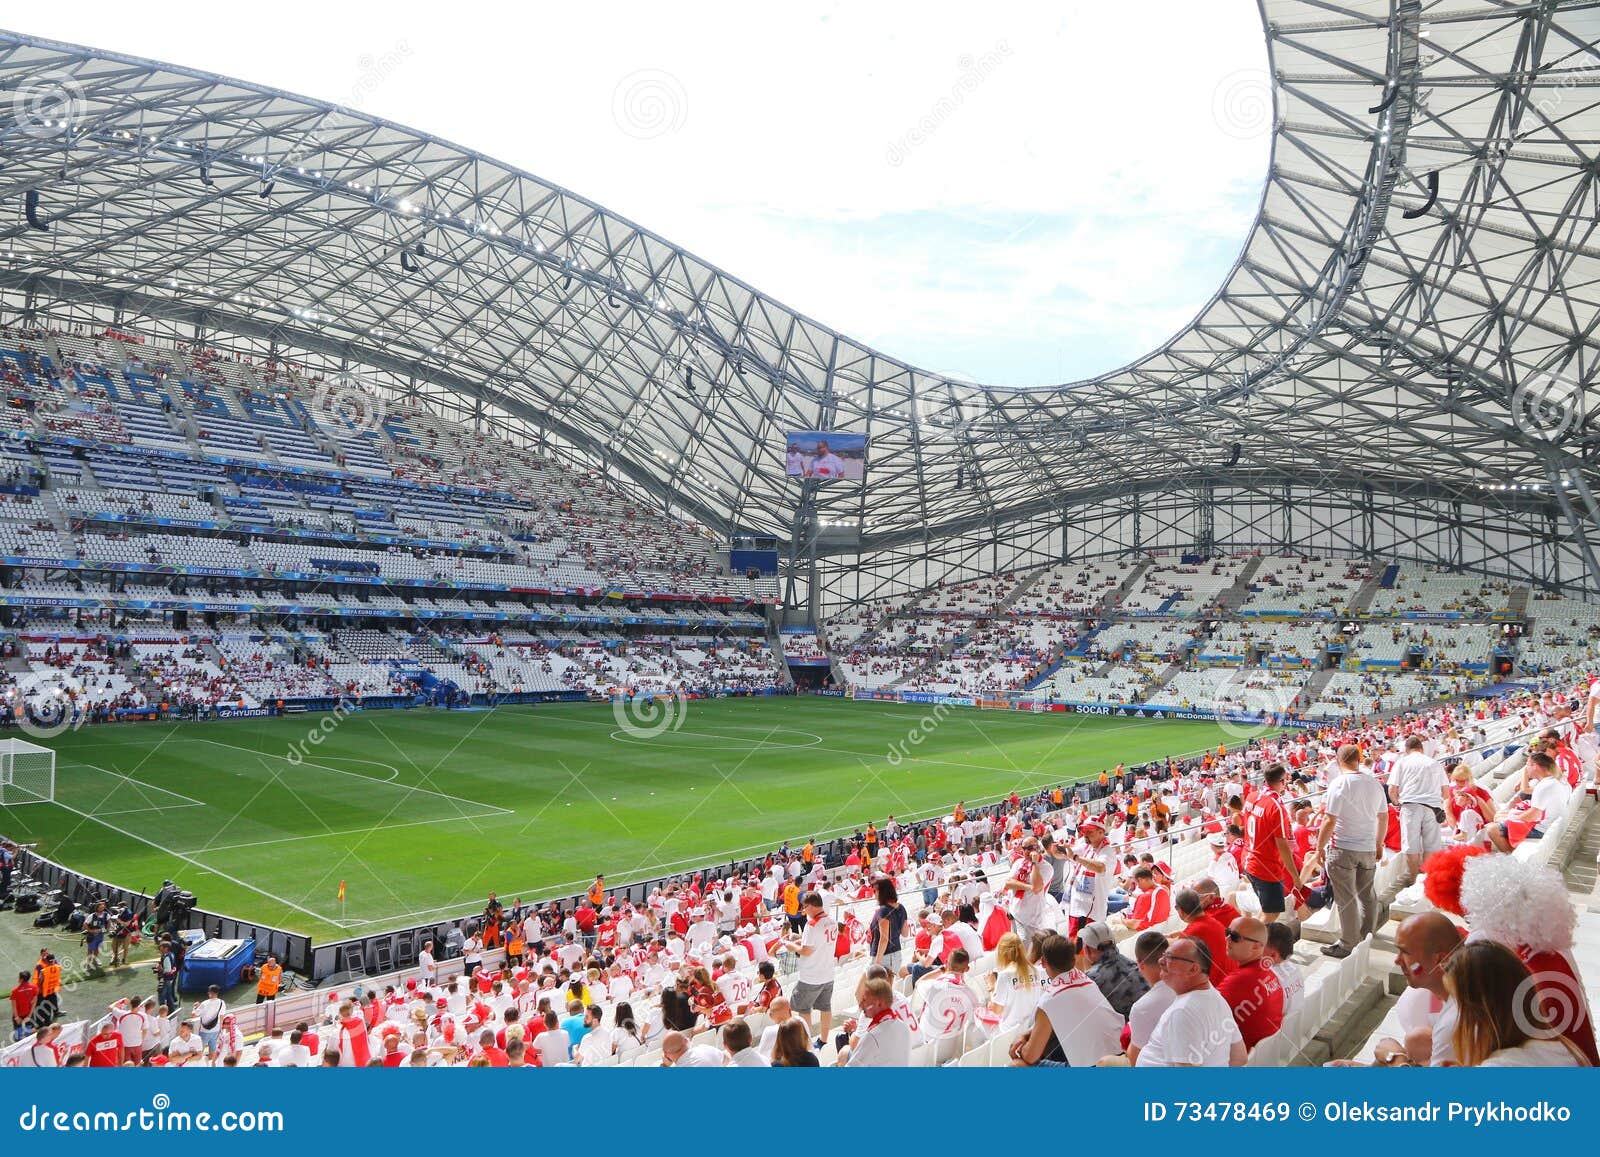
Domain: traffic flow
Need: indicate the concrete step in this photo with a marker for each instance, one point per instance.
(1353, 1023)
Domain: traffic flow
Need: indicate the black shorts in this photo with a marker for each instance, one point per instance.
(1269, 892)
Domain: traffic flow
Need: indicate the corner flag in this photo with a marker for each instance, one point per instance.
(341, 891)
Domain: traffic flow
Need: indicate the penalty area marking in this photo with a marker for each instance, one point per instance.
(488, 807)
(139, 785)
(188, 859)
(622, 736)
(331, 835)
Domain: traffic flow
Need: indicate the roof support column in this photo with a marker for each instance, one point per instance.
(1580, 530)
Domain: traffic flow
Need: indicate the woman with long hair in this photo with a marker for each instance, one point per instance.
(1016, 985)
(1499, 1021)
(707, 998)
(630, 1033)
(792, 1048)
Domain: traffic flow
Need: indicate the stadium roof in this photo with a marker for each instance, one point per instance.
(1372, 335)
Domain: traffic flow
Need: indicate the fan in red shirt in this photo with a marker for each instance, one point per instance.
(24, 995)
(1464, 798)
(1269, 857)
(104, 1049)
(1152, 902)
(1200, 925)
(1214, 906)
(1252, 990)
(586, 917)
(1301, 835)
(353, 1036)
(707, 998)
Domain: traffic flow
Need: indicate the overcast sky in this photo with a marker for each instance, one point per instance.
(1018, 194)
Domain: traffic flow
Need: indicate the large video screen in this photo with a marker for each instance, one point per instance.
(826, 456)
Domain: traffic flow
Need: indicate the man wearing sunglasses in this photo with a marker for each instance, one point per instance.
(1198, 1029)
(1252, 989)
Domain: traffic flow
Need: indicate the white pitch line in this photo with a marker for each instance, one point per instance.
(327, 835)
(138, 783)
(135, 811)
(488, 807)
(188, 859)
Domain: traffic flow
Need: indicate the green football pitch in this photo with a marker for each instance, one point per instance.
(422, 812)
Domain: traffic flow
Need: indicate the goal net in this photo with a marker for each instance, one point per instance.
(27, 773)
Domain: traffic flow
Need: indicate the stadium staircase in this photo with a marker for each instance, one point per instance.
(775, 645)
(1230, 600)
(1517, 604)
(139, 677)
(939, 655)
(1022, 588)
(1312, 690)
(1166, 675)
(1044, 675)
(1369, 591)
(18, 663)
(58, 513)
(870, 636)
(1580, 870)
(1113, 598)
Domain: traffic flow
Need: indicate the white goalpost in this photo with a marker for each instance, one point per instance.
(27, 773)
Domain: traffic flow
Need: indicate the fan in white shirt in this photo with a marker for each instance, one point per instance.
(883, 1040)
(1198, 1028)
(737, 1042)
(677, 1052)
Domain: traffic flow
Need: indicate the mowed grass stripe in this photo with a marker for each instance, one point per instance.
(404, 808)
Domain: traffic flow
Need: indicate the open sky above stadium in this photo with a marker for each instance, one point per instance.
(985, 191)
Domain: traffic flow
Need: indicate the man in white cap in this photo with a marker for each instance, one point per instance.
(1223, 868)
(1094, 861)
